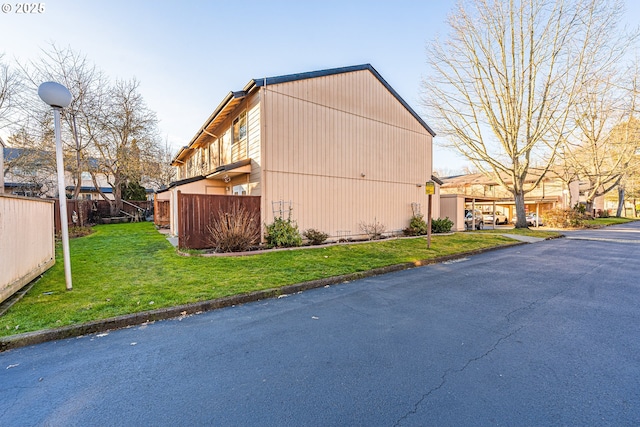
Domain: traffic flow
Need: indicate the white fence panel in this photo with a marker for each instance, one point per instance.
(27, 241)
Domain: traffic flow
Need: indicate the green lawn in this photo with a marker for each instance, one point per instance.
(532, 232)
(127, 268)
(609, 221)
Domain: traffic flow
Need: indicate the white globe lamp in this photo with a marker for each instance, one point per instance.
(59, 97)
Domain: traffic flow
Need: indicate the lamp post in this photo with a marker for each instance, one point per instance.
(59, 97)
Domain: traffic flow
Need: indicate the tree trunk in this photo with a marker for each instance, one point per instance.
(620, 202)
(117, 195)
(76, 190)
(520, 211)
(589, 207)
(104, 196)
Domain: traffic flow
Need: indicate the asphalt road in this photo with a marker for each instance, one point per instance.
(542, 334)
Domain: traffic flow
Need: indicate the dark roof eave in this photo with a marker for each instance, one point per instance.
(22, 185)
(186, 181)
(230, 96)
(231, 166)
(86, 188)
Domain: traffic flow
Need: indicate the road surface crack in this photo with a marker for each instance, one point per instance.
(448, 372)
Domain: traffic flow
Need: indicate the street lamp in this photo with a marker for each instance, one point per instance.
(59, 97)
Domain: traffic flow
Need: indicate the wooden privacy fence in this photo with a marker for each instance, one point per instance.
(161, 212)
(84, 214)
(197, 211)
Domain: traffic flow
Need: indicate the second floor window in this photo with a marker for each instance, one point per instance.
(240, 128)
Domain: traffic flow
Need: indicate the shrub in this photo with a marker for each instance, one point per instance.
(315, 237)
(580, 208)
(283, 233)
(441, 225)
(373, 230)
(417, 226)
(564, 218)
(77, 231)
(234, 231)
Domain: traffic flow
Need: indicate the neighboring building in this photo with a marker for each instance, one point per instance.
(479, 191)
(89, 192)
(336, 148)
(28, 172)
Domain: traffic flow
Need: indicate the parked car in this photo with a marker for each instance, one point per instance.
(469, 219)
(531, 219)
(487, 217)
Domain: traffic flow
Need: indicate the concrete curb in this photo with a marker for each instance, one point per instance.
(38, 337)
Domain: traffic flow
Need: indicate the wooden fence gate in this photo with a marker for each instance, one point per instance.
(161, 212)
(197, 211)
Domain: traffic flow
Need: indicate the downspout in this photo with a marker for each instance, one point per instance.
(263, 175)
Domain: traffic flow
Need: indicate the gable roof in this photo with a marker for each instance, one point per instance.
(233, 98)
(333, 71)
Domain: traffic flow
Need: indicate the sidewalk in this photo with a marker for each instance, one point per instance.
(172, 239)
(521, 238)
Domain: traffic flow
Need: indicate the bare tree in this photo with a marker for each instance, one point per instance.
(109, 131)
(87, 85)
(158, 172)
(503, 82)
(603, 147)
(30, 164)
(631, 186)
(603, 161)
(9, 88)
(124, 136)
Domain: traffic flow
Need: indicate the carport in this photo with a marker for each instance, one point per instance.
(483, 201)
(454, 205)
(509, 204)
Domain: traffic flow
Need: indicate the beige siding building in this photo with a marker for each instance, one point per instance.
(336, 148)
(483, 193)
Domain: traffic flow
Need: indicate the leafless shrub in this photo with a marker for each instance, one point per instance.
(564, 218)
(373, 230)
(234, 231)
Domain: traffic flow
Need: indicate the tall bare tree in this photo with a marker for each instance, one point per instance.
(158, 172)
(9, 88)
(631, 187)
(109, 131)
(502, 84)
(600, 151)
(124, 136)
(87, 85)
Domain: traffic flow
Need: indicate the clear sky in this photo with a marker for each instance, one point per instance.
(188, 55)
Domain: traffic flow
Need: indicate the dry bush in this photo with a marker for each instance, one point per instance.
(373, 230)
(234, 231)
(564, 218)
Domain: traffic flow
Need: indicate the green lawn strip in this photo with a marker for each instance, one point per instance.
(532, 232)
(609, 221)
(129, 268)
